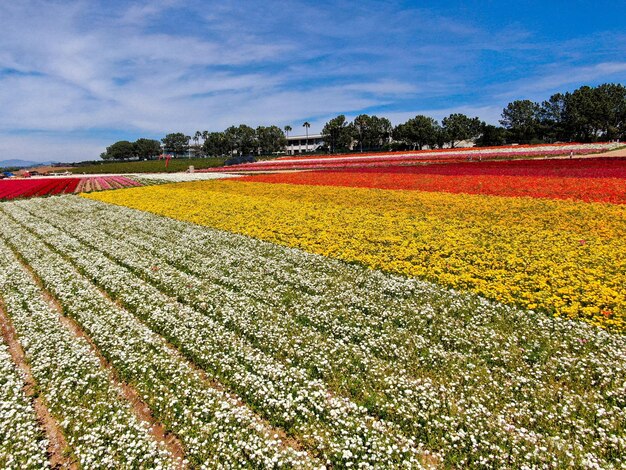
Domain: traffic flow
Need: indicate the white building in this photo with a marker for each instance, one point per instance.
(300, 144)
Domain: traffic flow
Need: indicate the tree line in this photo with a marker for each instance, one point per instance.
(236, 140)
(587, 114)
(376, 133)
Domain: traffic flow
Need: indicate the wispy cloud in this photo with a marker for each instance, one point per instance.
(76, 73)
(556, 78)
(491, 114)
(51, 147)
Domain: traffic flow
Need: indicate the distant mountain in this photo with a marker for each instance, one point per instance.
(22, 163)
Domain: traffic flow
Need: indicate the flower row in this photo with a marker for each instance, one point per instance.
(148, 179)
(214, 427)
(591, 167)
(99, 426)
(22, 445)
(101, 183)
(601, 189)
(562, 257)
(285, 395)
(407, 158)
(433, 362)
(526, 149)
(24, 188)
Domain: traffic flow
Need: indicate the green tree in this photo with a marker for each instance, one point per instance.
(553, 118)
(241, 139)
(196, 143)
(370, 132)
(587, 114)
(460, 127)
(121, 150)
(609, 115)
(287, 130)
(176, 143)
(581, 115)
(147, 148)
(491, 136)
(418, 132)
(522, 118)
(337, 135)
(306, 126)
(270, 140)
(215, 144)
(380, 135)
(441, 137)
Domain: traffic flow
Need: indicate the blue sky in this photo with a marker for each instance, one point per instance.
(77, 76)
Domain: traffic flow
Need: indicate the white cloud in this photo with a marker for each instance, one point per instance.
(71, 68)
(561, 77)
(385, 87)
(47, 147)
(142, 12)
(490, 113)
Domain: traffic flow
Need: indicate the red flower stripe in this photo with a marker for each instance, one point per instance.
(512, 181)
(411, 158)
(320, 164)
(519, 149)
(23, 188)
(611, 167)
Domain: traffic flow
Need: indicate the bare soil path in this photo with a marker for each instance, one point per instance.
(58, 456)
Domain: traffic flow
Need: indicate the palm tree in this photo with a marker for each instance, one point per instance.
(306, 125)
(196, 139)
(287, 130)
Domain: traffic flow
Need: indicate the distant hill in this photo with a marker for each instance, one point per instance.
(22, 163)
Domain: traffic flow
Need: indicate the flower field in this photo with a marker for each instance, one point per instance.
(504, 150)
(564, 257)
(385, 159)
(443, 316)
(33, 187)
(161, 178)
(600, 180)
(316, 362)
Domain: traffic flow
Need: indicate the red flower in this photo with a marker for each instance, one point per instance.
(600, 179)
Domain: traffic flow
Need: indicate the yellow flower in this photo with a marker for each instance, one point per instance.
(515, 250)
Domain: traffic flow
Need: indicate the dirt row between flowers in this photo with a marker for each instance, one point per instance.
(612, 153)
(57, 444)
(292, 437)
(59, 451)
(58, 447)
